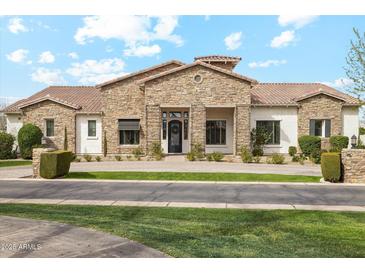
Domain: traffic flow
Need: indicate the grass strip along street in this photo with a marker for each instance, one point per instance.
(192, 176)
(188, 232)
(14, 163)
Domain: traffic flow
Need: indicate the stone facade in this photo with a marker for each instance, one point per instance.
(125, 100)
(63, 117)
(320, 107)
(242, 127)
(353, 161)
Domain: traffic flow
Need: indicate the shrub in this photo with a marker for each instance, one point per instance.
(78, 160)
(246, 155)
(259, 137)
(338, 142)
(309, 143)
(315, 156)
(137, 153)
(190, 156)
(55, 164)
(292, 151)
(295, 158)
(331, 166)
(73, 157)
(88, 158)
(302, 158)
(6, 145)
(118, 158)
(157, 151)
(257, 159)
(217, 156)
(276, 158)
(209, 157)
(198, 151)
(29, 136)
(98, 158)
(362, 130)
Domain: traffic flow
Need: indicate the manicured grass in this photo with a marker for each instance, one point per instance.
(15, 163)
(188, 232)
(192, 176)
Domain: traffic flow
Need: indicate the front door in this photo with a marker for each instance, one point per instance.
(175, 136)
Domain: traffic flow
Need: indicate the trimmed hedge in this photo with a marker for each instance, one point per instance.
(55, 164)
(331, 166)
(29, 136)
(309, 144)
(339, 142)
(6, 145)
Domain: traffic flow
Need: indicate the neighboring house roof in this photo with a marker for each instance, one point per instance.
(82, 98)
(140, 72)
(198, 63)
(292, 93)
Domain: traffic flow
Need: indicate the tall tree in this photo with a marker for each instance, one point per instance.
(355, 69)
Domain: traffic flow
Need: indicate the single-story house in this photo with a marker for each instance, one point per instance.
(178, 105)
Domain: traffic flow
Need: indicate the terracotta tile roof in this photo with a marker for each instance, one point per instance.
(139, 72)
(196, 63)
(291, 93)
(81, 98)
(218, 58)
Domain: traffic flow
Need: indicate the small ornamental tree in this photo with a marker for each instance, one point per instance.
(259, 138)
(105, 145)
(65, 141)
(29, 136)
(6, 145)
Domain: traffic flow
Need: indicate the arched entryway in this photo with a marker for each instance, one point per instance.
(175, 136)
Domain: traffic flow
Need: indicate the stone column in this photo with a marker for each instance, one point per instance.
(198, 124)
(153, 124)
(353, 161)
(36, 162)
(241, 127)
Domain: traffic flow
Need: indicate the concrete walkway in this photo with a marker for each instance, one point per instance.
(23, 238)
(174, 166)
(166, 194)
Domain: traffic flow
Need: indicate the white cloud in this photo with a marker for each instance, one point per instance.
(48, 76)
(16, 25)
(94, 71)
(233, 41)
(142, 51)
(18, 56)
(46, 57)
(266, 64)
(298, 21)
(340, 83)
(283, 40)
(134, 31)
(73, 55)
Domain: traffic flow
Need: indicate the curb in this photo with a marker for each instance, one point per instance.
(186, 182)
(183, 204)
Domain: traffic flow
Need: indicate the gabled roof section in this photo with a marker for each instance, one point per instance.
(140, 72)
(292, 93)
(81, 98)
(198, 63)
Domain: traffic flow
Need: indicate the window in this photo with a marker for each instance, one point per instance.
(49, 127)
(321, 128)
(91, 128)
(186, 125)
(164, 125)
(273, 128)
(128, 131)
(198, 78)
(175, 114)
(216, 132)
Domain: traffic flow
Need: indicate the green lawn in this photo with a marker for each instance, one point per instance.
(192, 176)
(188, 232)
(14, 163)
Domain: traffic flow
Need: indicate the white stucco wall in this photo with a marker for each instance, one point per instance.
(227, 115)
(85, 144)
(350, 122)
(288, 117)
(13, 124)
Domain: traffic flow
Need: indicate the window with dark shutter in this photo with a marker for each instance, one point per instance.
(128, 131)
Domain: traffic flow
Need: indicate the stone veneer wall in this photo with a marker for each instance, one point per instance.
(36, 160)
(353, 161)
(125, 100)
(216, 89)
(153, 125)
(242, 127)
(63, 117)
(320, 107)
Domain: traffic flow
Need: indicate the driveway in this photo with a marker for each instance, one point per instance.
(175, 166)
(170, 194)
(23, 238)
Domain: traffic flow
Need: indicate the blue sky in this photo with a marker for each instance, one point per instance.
(37, 51)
